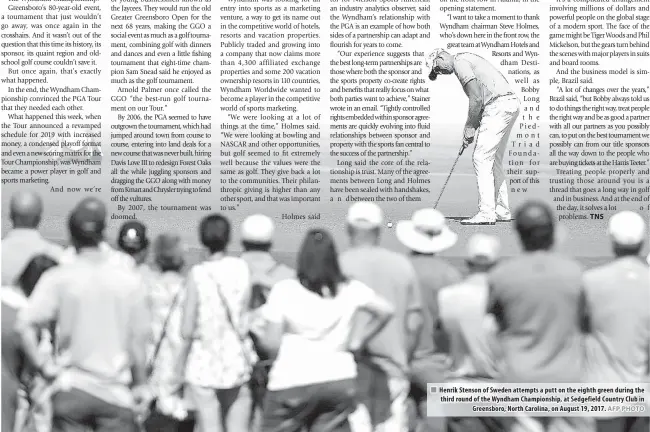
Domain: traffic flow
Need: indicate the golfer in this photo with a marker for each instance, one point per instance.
(493, 109)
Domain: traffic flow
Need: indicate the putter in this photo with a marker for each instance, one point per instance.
(462, 149)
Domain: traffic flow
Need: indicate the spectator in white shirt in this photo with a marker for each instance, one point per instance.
(103, 326)
(257, 232)
(166, 297)
(218, 355)
(392, 276)
(310, 330)
(471, 331)
(116, 256)
(618, 311)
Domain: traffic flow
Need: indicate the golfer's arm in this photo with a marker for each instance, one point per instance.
(473, 92)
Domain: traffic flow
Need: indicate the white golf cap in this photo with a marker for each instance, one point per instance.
(483, 249)
(257, 228)
(365, 214)
(627, 228)
(427, 232)
(428, 61)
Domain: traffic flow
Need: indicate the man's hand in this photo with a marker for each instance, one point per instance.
(468, 138)
(142, 396)
(49, 370)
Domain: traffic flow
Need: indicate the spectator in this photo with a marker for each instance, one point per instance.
(536, 299)
(392, 277)
(166, 297)
(472, 332)
(14, 298)
(133, 244)
(132, 240)
(618, 306)
(24, 242)
(257, 239)
(217, 355)
(103, 326)
(426, 235)
(116, 256)
(257, 234)
(311, 328)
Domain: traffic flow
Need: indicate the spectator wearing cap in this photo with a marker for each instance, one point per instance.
(538, 302)
(218, 354)
(392, 276)
(257, 233)
(618, 309)
(427, 235)
(103, 327)
(474, 353)
(117, 256)
(166, 298)
(23, 242)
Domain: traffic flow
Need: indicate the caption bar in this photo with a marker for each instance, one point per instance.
(539, 400)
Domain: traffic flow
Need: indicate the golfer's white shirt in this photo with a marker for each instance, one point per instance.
(492, 82)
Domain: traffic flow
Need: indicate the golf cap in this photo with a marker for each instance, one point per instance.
(483, 249)
(365, 214)
(627, 228)
(133, 236)
(430, 63)
(257, 228)
(88, 218)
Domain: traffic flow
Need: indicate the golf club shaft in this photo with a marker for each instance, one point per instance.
(460, 153)
(447, 181)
